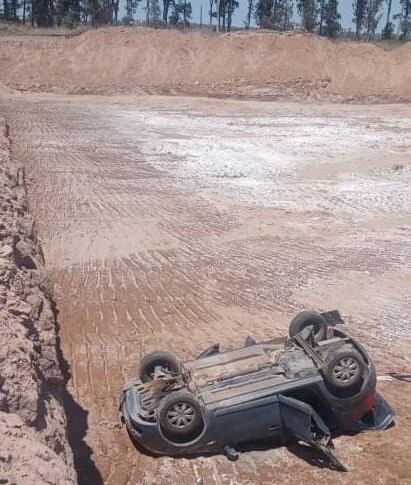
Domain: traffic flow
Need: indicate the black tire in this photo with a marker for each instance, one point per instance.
(158, 358)
(306, 319)
(180, 415)
(344, 369)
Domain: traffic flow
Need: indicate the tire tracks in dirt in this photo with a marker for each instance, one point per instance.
(143, 256)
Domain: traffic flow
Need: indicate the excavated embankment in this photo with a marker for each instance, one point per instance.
(247, 65)
(34, 447)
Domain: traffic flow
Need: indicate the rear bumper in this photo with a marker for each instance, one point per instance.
(380, 417)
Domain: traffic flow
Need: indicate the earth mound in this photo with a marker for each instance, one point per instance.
(254, 64)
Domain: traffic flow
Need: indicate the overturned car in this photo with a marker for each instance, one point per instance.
(316, 381)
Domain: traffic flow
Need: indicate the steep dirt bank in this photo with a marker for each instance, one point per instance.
(255, 64)
(33, 448)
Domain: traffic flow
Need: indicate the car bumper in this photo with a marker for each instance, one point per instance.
(142, 432)
(148, 435)
(380, 417)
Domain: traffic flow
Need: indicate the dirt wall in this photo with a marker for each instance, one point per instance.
(254, 64)
(33, 447)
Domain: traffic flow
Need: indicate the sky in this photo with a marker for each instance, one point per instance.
(345, 8)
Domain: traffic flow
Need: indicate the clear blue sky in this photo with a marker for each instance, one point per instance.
(345, 8)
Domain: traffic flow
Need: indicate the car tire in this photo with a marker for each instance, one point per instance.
(180, 415)
(158, 358)
(344, 369)
(306, 319)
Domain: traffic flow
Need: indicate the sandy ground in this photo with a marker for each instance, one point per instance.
(175, 223)
(252, 64)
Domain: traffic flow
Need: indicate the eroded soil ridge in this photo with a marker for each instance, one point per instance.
(33, 448)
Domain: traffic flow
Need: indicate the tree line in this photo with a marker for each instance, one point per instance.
(321, 16)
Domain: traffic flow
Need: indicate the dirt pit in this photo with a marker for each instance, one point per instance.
(176, 223)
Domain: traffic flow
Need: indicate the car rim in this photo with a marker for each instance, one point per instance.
(346, 370)
(181, 415)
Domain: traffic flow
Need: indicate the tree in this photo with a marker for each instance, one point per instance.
(225, 10)
(131, 9)
(62, 9)
(42, 13)
(282, 14)
(373, 17)
(181, 13)
(232, 5)
(222, 11)
(250, 9)
(308, 12)
(166, 7)
(388, 29)
(359, 10)
(68, 21)
(12, 9)
(274, 14)
(404, 18)
(94, 11)
(24, 6)
(115, 10)
(214, 14)
(322, 14)
(187, 11)
(154, 11)
(263, 10)
(6, 10)
(331, 18)
(67, 12)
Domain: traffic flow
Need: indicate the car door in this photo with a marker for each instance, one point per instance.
(249, 421)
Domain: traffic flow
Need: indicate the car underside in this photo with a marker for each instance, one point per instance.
(315, 382)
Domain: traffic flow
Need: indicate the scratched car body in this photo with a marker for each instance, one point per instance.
(302, 387)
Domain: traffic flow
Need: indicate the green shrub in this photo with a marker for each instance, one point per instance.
(68, 21)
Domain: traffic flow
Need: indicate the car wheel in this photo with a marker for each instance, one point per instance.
(309, 319)
(344, 369)
(180, 414)
(158, 359)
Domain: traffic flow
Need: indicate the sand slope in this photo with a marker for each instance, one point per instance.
(118, 60)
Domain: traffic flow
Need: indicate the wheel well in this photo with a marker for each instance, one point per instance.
(316, 400)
